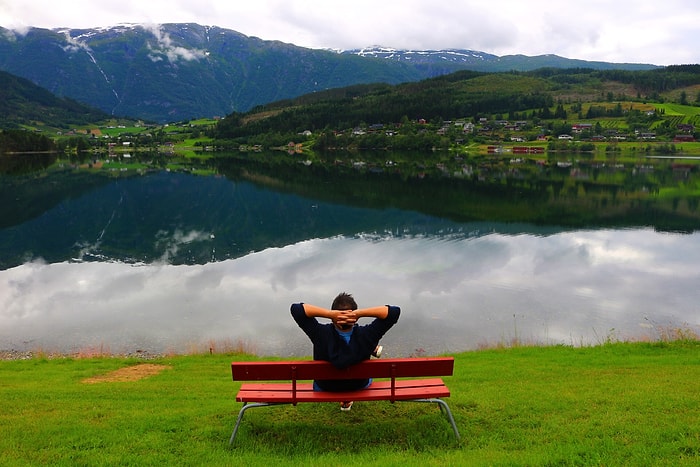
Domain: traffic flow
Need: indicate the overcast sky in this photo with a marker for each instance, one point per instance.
(639, 31)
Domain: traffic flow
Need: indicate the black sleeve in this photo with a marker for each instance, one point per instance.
(310, 326)
(379, 326)
(369, 335)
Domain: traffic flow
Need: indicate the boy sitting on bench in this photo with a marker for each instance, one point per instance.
(344, 343)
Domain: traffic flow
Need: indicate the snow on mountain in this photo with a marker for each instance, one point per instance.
(457, 56)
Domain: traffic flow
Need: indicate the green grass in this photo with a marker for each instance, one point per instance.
(204, 122)
(613, 404)
(672, 110)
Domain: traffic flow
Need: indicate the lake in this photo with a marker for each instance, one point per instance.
(211, 255)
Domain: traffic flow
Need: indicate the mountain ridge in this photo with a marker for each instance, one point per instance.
(179, 71)
(476, 60)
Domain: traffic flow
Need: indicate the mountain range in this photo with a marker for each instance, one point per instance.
(439, 62)
(175, 72)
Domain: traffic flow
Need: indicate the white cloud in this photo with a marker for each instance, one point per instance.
(171, 243)
(164, 46)
(455, 293)
(74, 44)
(11, 35)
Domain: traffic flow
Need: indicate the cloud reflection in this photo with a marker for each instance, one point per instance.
(456, 293)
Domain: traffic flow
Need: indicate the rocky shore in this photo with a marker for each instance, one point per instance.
(29, 354)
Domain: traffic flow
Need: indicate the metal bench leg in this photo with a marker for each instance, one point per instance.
(240, 417)
(443, 407)
(441, 403)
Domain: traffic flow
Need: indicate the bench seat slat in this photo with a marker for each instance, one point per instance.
(400, 383)
(379, 390)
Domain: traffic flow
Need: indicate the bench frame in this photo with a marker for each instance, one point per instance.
(289, 390)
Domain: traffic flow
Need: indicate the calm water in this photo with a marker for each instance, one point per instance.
(168, 261)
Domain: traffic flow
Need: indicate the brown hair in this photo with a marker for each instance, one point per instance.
(344, 301)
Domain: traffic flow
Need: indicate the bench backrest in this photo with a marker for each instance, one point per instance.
(313, 369)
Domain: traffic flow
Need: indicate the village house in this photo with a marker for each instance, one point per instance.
(683, 139)
(581, 127)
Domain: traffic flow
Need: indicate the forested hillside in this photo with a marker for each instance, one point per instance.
(23, 141)
(24, 103)
(539, 94)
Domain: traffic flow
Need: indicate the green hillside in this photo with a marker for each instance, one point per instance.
(463, 110)
(635, 100)
(23, 103)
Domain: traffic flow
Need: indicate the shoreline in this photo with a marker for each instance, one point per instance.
(13, 355)
(668, 335)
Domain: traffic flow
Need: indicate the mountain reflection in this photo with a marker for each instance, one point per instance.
(153, 215)
(165, 261)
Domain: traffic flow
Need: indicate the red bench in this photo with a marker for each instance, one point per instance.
(386, 384)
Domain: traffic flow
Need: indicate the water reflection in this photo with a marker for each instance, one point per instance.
(184, 219)
(162, 261)
(457, 293)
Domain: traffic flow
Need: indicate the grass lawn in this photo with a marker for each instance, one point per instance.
(671, 109)
(613, 404)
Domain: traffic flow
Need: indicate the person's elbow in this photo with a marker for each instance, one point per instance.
(393, 313)
(297, 310)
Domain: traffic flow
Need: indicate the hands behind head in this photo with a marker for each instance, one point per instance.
(345, 319)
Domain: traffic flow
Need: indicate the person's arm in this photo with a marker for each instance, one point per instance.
(342, 318)
(345, 317)
(380, 312)
(313, 311)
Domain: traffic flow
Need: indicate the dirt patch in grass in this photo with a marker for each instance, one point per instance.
(129, 373)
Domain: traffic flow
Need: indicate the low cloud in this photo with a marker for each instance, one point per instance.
(74, 45)
(164, 47)
(11, 34)
(170, 243)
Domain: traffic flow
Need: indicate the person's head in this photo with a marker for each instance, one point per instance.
(344, 301)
